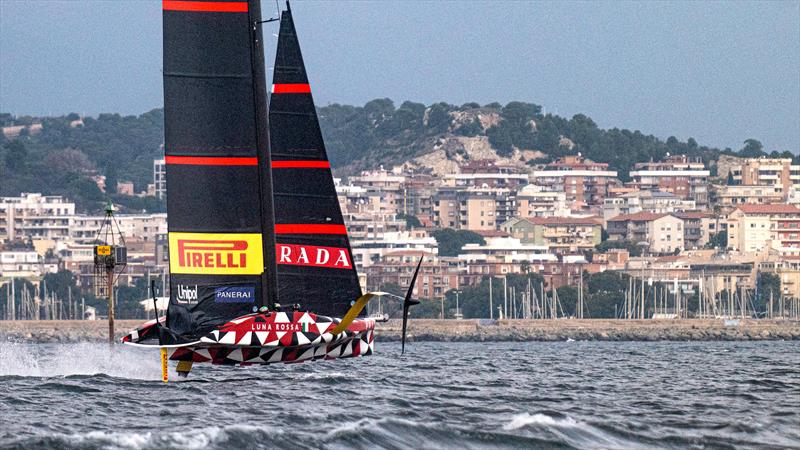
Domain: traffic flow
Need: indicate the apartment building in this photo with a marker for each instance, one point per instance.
(537, 201)
(663, 233)
(731, 196)
(487, 173)
(436, 275)
(561, 235)
(160, 178)
(35, 216)
(788, 270)
(474, 208)
(499, 256)
(144, 227)
(585, 182)
(684, 176)
(24, 264)
(645, 201)
(777, 172)
(369, 250)
(756, 228)
(698, 227)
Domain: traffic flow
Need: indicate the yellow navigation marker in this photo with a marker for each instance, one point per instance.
(164, 365)
(354, 311)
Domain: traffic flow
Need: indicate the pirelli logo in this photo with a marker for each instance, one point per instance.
(215, 253)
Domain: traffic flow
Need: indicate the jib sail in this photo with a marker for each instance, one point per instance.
(219, 196)
(314, 262)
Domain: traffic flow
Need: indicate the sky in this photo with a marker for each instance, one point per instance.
(720, 72)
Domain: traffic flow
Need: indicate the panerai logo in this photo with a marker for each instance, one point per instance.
(186, 294)
(235, 294)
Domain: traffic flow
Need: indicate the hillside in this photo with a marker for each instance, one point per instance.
(62, 155)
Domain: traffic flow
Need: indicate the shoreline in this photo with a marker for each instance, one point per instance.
(468, 330)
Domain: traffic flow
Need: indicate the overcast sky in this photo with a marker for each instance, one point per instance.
(719, 72)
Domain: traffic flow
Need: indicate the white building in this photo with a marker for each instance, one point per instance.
(35, 216)
(143, 227)
(657, 202)
(160, 177)
(536, 201)
(24, 264)
(370, 249)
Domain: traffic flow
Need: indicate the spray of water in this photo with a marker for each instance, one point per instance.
(60, 360)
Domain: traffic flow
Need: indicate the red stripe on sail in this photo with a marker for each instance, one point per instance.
(174, 5)
(300, 228)
(301, 165)
(211, 160)
(296, 88)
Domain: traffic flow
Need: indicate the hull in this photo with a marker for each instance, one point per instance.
(267, 338)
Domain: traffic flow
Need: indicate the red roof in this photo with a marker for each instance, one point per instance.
(640, 216)
(772, 208)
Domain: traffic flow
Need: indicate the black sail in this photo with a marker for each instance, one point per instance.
(314, 261)
(217, 160)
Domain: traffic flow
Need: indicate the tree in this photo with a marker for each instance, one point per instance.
(500, 139)
(768, 284)
(16, 156)
(631, 247)
(568, 296)
(718, 240)
(752, 149)
(111, 179)
(605, 293)
(411, 220)
(450, 241)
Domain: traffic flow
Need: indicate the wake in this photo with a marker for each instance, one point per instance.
(62, 360)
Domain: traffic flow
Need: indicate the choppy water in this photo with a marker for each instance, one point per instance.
(541, 395)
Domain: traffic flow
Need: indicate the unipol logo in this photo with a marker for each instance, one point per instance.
(218, 253)
(311, 255)
(186, 294)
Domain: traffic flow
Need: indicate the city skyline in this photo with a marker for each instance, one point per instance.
(689, 70)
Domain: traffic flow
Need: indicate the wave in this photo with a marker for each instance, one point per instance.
(62, 360)
(525, 419)
(570, 432)
(232, 436)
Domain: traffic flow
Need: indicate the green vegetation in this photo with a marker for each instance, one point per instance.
(411, 220)
(718, 240)
(450, 241)
(631, 247)
(62, 159)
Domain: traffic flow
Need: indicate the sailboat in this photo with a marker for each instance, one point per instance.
(261, 269)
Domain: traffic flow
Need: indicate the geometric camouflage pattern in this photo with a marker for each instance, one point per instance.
(273, 337)
(357, 344)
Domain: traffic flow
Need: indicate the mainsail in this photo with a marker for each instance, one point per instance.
(314, 261)
(221, 224)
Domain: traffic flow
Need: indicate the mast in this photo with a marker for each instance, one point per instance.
(269, 278)
(216, 144)
(315, 265)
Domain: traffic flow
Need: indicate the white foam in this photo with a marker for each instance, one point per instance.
(187, 439)
(59, 360)
(525, 419)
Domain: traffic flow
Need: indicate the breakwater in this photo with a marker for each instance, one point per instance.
(471, 330)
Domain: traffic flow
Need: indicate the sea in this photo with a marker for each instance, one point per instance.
(593, 395)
